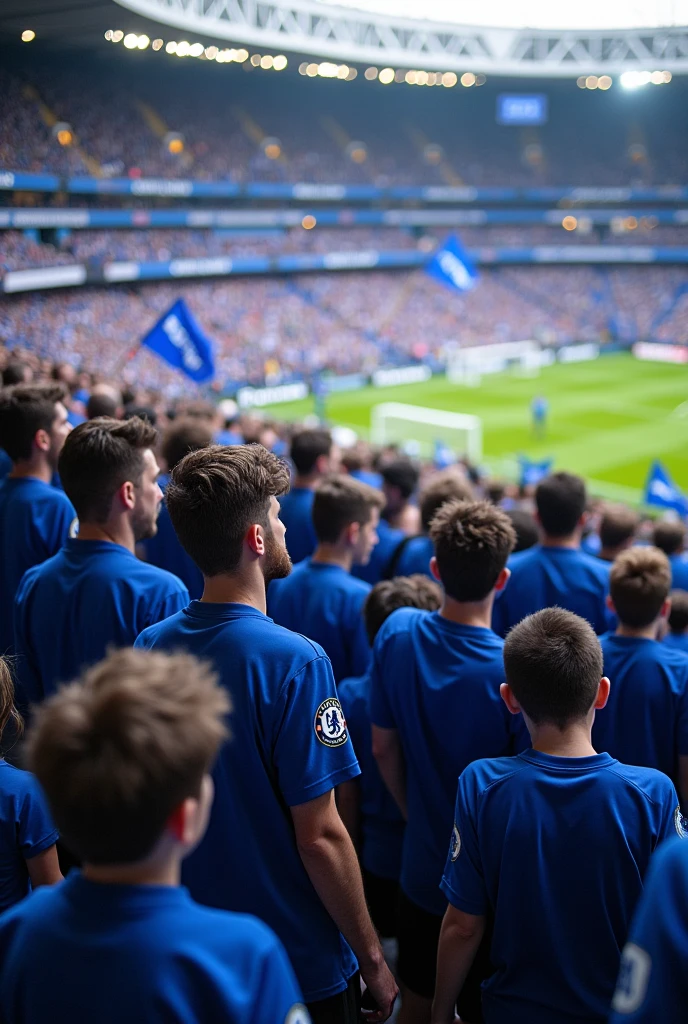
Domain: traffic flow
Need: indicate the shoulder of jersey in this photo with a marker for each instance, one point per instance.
(488, 771)
(297, 642)
(653, 783)
(399, 621)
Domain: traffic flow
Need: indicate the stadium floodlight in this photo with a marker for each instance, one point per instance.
(28, 35)
(635, 79)
(394, 422)
(131, 40)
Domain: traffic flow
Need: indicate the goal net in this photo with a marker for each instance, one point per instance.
(396, 423)
(467, 366)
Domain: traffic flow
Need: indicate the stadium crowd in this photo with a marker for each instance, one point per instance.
(283, 652)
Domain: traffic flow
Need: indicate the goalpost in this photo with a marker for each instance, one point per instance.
(393, 422)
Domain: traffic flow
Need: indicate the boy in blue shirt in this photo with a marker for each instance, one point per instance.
(646, 719)
(35, 517)
(163, 548)
(435, 707)
(368, 809)
(618, 531)
(670, 537)
(677, 634)
(320, 598)
(313, 455)
(276, 846)
(556, 572)
(95, 593)
(414, 557)
(552, 844)
(124, 757)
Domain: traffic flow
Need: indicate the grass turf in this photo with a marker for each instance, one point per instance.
(607, 420)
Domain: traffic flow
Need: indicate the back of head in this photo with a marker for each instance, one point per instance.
(144, 412)
(98, 457)
(215, 494)
(104, 400)
(449, 485)
(560, 499)
(16, 373)
(526, 529)
(669, 537)
(120, 750)
(8, 710)
(472, 540)
(553, 664)
(401, 592)
(401, 473)
(339, 501)
(639, 584)
(618, 525)
(24, 410)
(307, 446)
(678, 616)
(184, 436)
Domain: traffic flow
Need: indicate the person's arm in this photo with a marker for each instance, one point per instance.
(389, 755)
(44, 868)
(459, 940)
(330, 860)
(349, 807)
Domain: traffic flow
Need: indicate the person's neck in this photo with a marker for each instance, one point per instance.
(157, 872)
(573, 741)
(37, 469)
(117, 532)
(468, 613)
(646, 633)
(572, 542)
(333, 554)
(304, 483)
(240, 588)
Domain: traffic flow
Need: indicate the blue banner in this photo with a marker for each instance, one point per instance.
(661, 491)
(178, 340)
(453, 267)
(533, 472)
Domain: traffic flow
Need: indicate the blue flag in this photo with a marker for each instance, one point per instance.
(443, 456)
(660, 490)
(179, 340)
(452, 265)
(533, 472)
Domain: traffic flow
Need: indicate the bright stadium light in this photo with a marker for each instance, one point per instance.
(143, 42)
(468, 79)
(183, 48)
(635, 79)
(280, 62)
(386, 76)
(604, 83)
(449, 80)
(371, 74)
(157, 44)
(131, 40)
(117, 36)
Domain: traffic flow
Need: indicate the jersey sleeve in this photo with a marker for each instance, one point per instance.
(312, 750)
(173, 602)
(36, 830)
(463, 882)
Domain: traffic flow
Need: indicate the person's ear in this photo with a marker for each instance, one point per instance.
(502, 579)
(255, 538)
(127, 495)
(583, 521)
(435, 570)
(42, 440)
(352, 534)
(507, 695)
(665, 609)
(602, 693)
(610, 604)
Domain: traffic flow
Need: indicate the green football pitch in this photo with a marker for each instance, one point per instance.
(608, 419)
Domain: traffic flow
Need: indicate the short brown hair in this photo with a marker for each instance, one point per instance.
(339, 501)
(678, 616)
(561, 501)
(553, 664)
(473, 540)
(120, 750)
(306, 448)
(446, 486)
(97, 458)
(215, 494)
(415, 591)
(639, 584)
(24, 410)
(669, 537)
(8, 709)
(618, 525)
(184, 436)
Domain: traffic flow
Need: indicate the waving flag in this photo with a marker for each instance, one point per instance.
(660, 490)
(179, 340)
(533, 472)
(452, 265)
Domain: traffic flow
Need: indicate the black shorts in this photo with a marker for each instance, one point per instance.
(344, 1008)
(382, 897)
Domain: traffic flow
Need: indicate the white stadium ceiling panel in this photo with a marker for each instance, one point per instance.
(340, 33)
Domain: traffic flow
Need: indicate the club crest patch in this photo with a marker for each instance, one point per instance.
(455, 843)
(298, 1014)
(74, 528)
(680, 824)
(329, 724)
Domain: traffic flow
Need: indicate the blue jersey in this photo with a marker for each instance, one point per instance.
(325, 603)
(382, 555)
(295, 513)
(679, 641)
(111, 953)
(90, 596)
(26, 830)
(368, 476)
(679, 572)
(415, 558)
(653, 978)
(645, 721)
(165, 551)
(437, 683)
(289, 745)
(382, 824)
(35, 521)
(545, 577)
(556, 849)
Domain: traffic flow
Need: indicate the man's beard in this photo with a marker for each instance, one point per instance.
(143, 525)
(277, 562)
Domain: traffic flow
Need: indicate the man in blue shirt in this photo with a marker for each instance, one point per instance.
(670, 537)
(276, 846)
(313, 455)
(435, 707)
(320, 598)
(398, 480)
(95, 593)
(449, 485)
(556, 572)
(552, 844)
(35, 517)
(677, 635)
(368, 809)
(163, 548)
(124, 757)
(646, 719)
